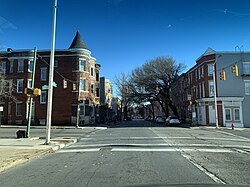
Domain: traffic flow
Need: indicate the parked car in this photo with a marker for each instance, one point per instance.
(173, 121)
(149, 118)
(160, 120)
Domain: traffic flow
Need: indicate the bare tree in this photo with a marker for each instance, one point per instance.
(157, 77)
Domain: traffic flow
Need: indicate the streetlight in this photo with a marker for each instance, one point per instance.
(51, 76)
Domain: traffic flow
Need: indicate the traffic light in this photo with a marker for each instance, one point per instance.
(223, 75)
(28, 91)
(65, 84)
(37, 92)
(235, 70)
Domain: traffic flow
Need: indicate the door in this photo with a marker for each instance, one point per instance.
(212, 114)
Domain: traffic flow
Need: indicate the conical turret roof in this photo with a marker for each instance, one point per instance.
(78, 42)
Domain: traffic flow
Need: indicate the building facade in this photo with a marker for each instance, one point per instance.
(77, 76)
(233, 94)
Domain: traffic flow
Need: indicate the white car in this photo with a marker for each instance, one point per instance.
(173, 121)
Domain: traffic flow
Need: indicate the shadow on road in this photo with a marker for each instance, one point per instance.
(137, 123)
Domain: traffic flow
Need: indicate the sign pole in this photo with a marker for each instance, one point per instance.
(31, 97)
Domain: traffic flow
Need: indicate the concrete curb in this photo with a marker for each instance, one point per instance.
(57, 146)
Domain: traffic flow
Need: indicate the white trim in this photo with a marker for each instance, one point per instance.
(17, 85)
(43, 68)
(21, 58)
(41, 102)
(221, 99)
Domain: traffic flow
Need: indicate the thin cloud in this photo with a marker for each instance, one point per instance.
(5, 24)
(229, 12)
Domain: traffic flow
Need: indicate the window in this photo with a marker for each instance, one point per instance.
(4, 67)
(97, 75)
(228, 114)
(246, 68)
(203, 89)
(211, 88)
(199, 74)
(43, 97)
(92, 89)
(82, 65)
(210, 69)
(19, 109)
(82, 85)
(202, 71)
(55, 63)
(43, 74)
(97, 92)
(9, 108)
(92, 71)
(247, 87)
(30, 66)
(237, 114)
(19, 84)
(11, 66)
(29, 83)
(10, 82)
(81, 109)
(20, 66)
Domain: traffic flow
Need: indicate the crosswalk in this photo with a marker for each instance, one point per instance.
(87, 145)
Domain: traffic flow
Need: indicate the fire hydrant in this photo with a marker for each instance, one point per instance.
(232, 126)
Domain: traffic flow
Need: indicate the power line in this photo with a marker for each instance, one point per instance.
(63, 77)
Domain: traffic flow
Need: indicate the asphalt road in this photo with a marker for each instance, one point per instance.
(141, 154)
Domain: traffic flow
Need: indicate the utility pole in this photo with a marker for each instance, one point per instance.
(51, 76)
(31, 97)
(215, 97)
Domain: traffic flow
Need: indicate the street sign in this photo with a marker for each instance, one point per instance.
(189, 97)
(54, 84)
(45, 87)
(1, 108)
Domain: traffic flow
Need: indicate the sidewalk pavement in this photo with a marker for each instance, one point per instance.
(17, 151)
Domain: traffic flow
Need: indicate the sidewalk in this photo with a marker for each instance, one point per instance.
(17, 151)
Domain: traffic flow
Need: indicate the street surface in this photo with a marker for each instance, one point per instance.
(139, 153)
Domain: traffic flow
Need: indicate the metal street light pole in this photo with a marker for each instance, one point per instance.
(51, 76)
(215, 97)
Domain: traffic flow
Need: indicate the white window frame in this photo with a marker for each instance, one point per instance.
(247, 87)
(21, 109)
(45, 70)
(43, 97)
(17, 86)
(203, 89)
(29, 83)
(210, 83)
(210, 69)
(82, 67)
(80, 86)
(10, 81)
(234, 114)
(4, 67)
(226, 114)
(246, 68)
(20, 66)
(11, 66)
(30, 68)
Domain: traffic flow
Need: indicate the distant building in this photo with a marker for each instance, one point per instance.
(233, 94)
(106, 91)
(77, 78)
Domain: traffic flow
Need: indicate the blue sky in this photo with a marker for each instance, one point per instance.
(123, 34)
